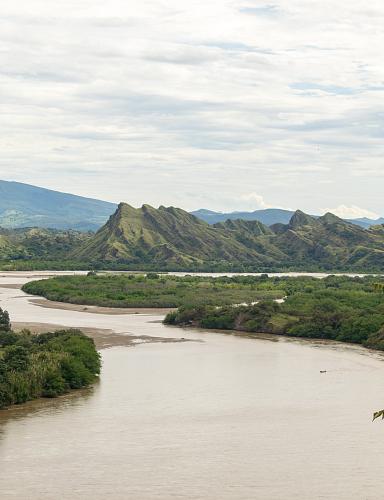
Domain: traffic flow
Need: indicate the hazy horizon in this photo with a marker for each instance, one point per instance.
(193, 210)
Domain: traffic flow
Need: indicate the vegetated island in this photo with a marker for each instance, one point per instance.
(337, 307)
(46, 365)
(156, 290)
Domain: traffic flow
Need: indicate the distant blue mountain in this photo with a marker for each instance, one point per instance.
(23, 205)
(268, 217)
(365, 222)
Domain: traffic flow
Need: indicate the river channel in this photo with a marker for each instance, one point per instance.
(216, 417)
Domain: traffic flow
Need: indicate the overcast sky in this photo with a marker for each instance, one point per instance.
(221, 104)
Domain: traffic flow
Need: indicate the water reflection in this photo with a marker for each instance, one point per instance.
(44, 406)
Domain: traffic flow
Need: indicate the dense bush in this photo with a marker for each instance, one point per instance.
(46, 365)
(337, 308)
(154, 290)
(161, 290)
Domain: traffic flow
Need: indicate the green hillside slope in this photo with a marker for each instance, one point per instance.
(164, 236)
(38, 243)
(172, 237)
(330, 242)
(169, 238)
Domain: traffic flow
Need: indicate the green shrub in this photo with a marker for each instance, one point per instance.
(335, 308)
(45, 365)
(75, 373)
(170, 318)
(54, 384)
(16, 357)
(7, 338)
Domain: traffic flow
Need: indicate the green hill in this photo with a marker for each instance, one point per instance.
(173, 238)
(330, 242)
(164, 236)
(169, 238)
(37, 243)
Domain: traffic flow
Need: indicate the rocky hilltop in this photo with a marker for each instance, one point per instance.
(169, 236)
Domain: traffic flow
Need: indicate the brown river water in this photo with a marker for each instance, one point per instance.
(221, 417)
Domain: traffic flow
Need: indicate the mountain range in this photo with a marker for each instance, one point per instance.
(24, 205)
(269, 216)
(169, 237)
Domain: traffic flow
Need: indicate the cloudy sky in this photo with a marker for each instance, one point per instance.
(222, 104)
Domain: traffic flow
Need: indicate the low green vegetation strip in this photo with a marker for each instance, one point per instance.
(154, 290)
(337, 308)
(46, 365)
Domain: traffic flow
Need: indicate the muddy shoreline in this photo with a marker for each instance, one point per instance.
(98, 309)
(66, 306)
(103, 338)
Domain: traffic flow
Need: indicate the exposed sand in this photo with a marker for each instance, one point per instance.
(103, 338)
(98, 309)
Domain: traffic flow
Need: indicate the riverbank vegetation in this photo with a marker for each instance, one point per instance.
(156, 290)
(336, 308)
(162, 290)
(46, 365)
(32, 264)
(349, 309)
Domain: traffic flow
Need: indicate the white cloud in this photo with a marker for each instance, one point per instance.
(193, 103)
(254, 201)
(351, 212)
(255, 198)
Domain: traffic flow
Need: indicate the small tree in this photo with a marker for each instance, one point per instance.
(5, 324)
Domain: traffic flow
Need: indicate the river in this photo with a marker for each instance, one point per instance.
(219, 417)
